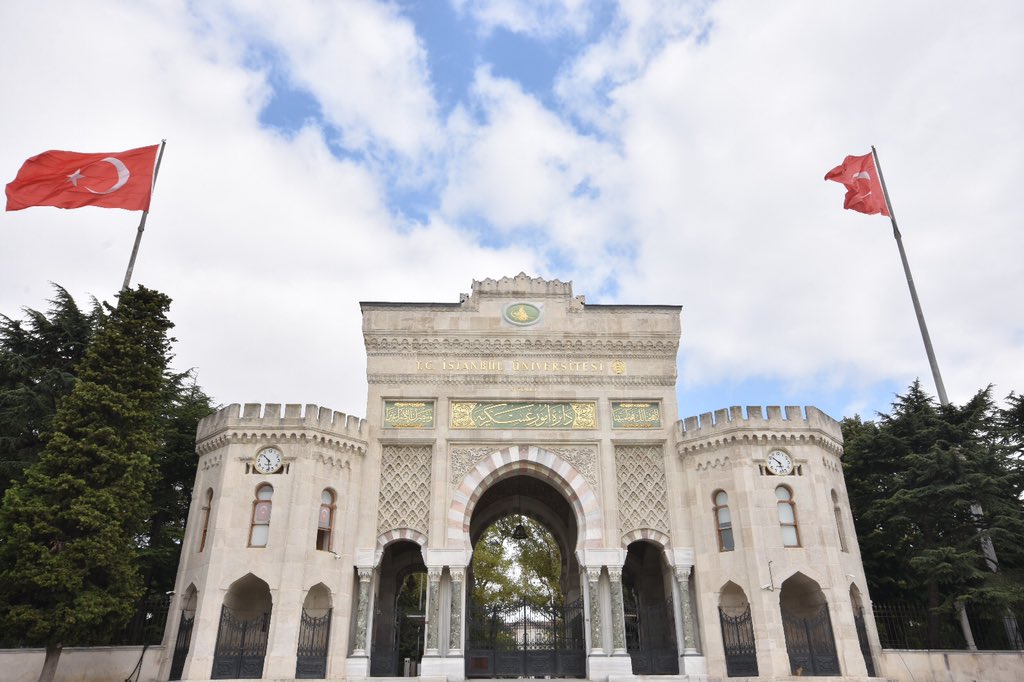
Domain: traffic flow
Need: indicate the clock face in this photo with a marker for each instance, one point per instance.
(779, 463)
(268, 460)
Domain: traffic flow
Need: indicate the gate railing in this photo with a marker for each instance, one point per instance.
(810, 643)
(241, 646)
(311, 652)
(524, 639)
(738, 641)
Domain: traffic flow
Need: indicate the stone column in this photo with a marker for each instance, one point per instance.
(455, 620)
(618, 615)
(363, 610)
(594, 596)
(683, 580)
(433, 610)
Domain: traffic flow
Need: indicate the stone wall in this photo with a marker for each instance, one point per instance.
(82, 664)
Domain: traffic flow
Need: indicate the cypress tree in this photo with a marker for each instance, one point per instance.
(73, 526)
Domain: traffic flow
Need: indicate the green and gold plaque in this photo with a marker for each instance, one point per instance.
(519, 415)
(634, 415)
(522, 314)
(408, 414)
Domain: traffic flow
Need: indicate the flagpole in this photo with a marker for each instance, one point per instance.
(142, 222)
(939, 386)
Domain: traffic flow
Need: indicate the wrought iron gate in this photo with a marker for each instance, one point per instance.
(862, 637)
(241, 646)
(522, 639)
(651, 639)
(810, 644)
(738, 640)
(181, 643)
(314, 633)
(404, 643)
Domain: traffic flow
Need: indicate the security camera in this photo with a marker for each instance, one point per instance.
(769, 586)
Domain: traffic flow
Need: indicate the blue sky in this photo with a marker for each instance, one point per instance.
(651, 152)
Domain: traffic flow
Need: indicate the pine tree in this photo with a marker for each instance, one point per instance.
(73, 526)
(928, 486)
(38, 357)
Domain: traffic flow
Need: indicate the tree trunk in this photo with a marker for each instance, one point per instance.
(50, 662)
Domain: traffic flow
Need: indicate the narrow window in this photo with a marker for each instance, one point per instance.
(325, 522)
(838, 511)
(206, 519)
(787, 516)
(259, 532)
(723, 521)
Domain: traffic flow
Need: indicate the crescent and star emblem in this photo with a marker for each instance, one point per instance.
(122, 176)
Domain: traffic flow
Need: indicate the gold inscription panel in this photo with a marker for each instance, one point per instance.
(523, 415)
(636, 415)
(408, 414)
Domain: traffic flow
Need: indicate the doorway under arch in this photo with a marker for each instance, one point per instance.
(808, 627)
(244, 628)
(649, 611)
(523, 619)
(400, 612)
(737, 632)
(314, 634)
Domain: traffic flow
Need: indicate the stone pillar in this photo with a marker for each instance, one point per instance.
(594, 597)
(455, 619)
(618, 614)
(433, 611)
(686, 607)
(363, 611)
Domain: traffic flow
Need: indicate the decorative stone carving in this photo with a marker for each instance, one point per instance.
(461, 460)
(448, 346)
(582, 459)
(404, 488)
(640, 472)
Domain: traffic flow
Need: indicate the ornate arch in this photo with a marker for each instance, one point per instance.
(532, 461)
(395, 534)
(649, 534)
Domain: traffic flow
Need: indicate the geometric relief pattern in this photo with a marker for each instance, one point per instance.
(404, 487)
(640, 473)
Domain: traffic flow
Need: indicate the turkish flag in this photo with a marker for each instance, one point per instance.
(72, 180)
(863, 187)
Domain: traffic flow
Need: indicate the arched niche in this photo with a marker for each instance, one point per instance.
(317, 601)
(249, 597)
(807, 624)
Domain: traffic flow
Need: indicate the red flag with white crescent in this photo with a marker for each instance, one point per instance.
(863, 186)
(72, 180)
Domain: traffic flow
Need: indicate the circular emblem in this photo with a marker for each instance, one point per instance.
(522, 314)
(618, 366)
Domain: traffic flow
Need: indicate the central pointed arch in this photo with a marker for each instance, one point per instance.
(532, 461)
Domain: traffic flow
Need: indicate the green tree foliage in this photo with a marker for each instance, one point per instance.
(73, 526)
(506, 569)
(38, 356)
(929, 485)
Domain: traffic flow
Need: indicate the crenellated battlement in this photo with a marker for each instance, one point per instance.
(256, 420)
(774, 423)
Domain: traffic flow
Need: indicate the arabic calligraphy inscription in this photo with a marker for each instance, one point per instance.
(522, 415)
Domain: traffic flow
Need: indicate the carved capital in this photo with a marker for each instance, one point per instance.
(615, 574)
(458, 574)
(593, 574)
(365, 574)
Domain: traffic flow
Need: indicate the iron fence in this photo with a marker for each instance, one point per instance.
(910, 626)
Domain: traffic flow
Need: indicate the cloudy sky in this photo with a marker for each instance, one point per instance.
(323, 153)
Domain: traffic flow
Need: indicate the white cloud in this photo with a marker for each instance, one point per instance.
(537, 18)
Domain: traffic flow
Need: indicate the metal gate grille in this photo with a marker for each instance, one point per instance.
(651, 639)
(241, 646)
(522, 639)
(181, 643)
(738, 640)
(809, 642)
(314, 633)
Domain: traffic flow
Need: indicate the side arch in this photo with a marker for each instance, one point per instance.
(648, 534)
(532, 461)
(396, 534)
